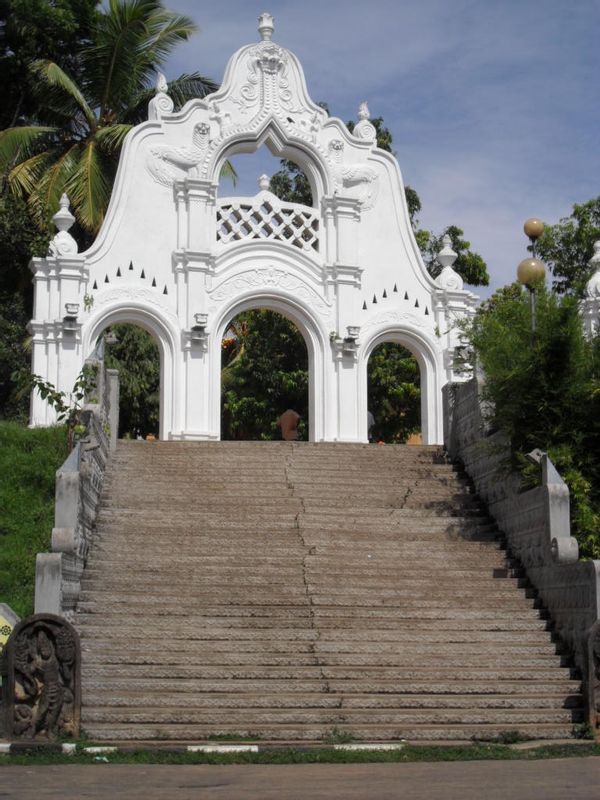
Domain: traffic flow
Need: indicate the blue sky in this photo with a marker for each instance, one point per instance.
(494, 105)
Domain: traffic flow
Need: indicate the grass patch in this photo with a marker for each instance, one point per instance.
(410, 753)
(29, 458)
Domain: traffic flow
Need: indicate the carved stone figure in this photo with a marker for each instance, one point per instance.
(42, 671)
(166, 163)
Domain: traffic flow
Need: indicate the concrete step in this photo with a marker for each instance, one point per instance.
(443, 685)
(310, 733)
(224, 701)
(287, 590)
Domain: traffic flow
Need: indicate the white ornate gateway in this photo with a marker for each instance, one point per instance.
(177, 259)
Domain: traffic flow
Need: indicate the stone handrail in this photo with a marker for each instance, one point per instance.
(536, 525)
(78, 486)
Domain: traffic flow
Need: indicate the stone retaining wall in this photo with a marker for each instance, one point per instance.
(535, 522)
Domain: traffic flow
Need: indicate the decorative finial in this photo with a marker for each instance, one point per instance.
(161, 103)
(592, 288)
(264, 183)
(446, 257)
(363, 128)
(63, 244)
(448, 279)
(161, 83)
(63, 219)
(266, 26)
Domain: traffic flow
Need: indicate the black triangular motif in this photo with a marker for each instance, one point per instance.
(426, 311)
(106, 279)
(153, 281)
(143, 275)
(119, 272)
(365, 306)
(395, 287)
(406, 295)
(165, 290)
(374, 299)
(131, 265)
(416, 303)
(384, 293)
(95, 286)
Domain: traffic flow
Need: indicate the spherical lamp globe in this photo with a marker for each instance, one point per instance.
(530, 272)
(533, 228)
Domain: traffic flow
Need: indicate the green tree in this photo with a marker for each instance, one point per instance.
(19, 240)
(76, 144)
(34, 29)
(136, 356)
(545, 392)
(567, 246)
(394, 392)
(265, 372)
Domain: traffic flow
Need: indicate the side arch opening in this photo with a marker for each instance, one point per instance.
(413, 375)
(140, 347)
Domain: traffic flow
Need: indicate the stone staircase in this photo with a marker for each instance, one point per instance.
(309, 592)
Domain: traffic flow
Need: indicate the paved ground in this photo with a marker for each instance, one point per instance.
(572, 779)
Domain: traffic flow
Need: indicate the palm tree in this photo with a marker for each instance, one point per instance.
(74, 145)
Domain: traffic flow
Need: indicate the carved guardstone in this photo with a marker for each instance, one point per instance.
(42, 677)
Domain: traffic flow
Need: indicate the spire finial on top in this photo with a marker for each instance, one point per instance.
(264, 183)
(266, 26)
(592, 288)
(63, 219)
(161, 83)
(363, 111)
(63, 244)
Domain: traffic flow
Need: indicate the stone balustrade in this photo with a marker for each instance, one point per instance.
(537, 529)
(78, 486)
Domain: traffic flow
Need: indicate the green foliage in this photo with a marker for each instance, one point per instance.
(413, 201)
(29, 459)
(291, 184)
(265, 372)
(68, 406)
(545, 392)
(568, 246)
(136, 355)
(32, 29)
(394, 393)
(469, 265)
(84, 113)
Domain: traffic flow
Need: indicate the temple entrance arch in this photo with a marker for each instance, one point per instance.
(181, 260)
(430, 367)
(160, 331)
(314, 338)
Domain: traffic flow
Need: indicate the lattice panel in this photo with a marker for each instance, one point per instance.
(264, 217)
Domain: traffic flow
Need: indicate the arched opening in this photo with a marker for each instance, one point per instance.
(430, 371)
(135, 353)
(287, 179)
(140, 333)
(264, 373)
(393, 395)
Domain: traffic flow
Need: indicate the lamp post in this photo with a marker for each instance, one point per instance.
(531, 271)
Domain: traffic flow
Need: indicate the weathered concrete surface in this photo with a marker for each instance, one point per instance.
(575, 778)
(281, 591)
